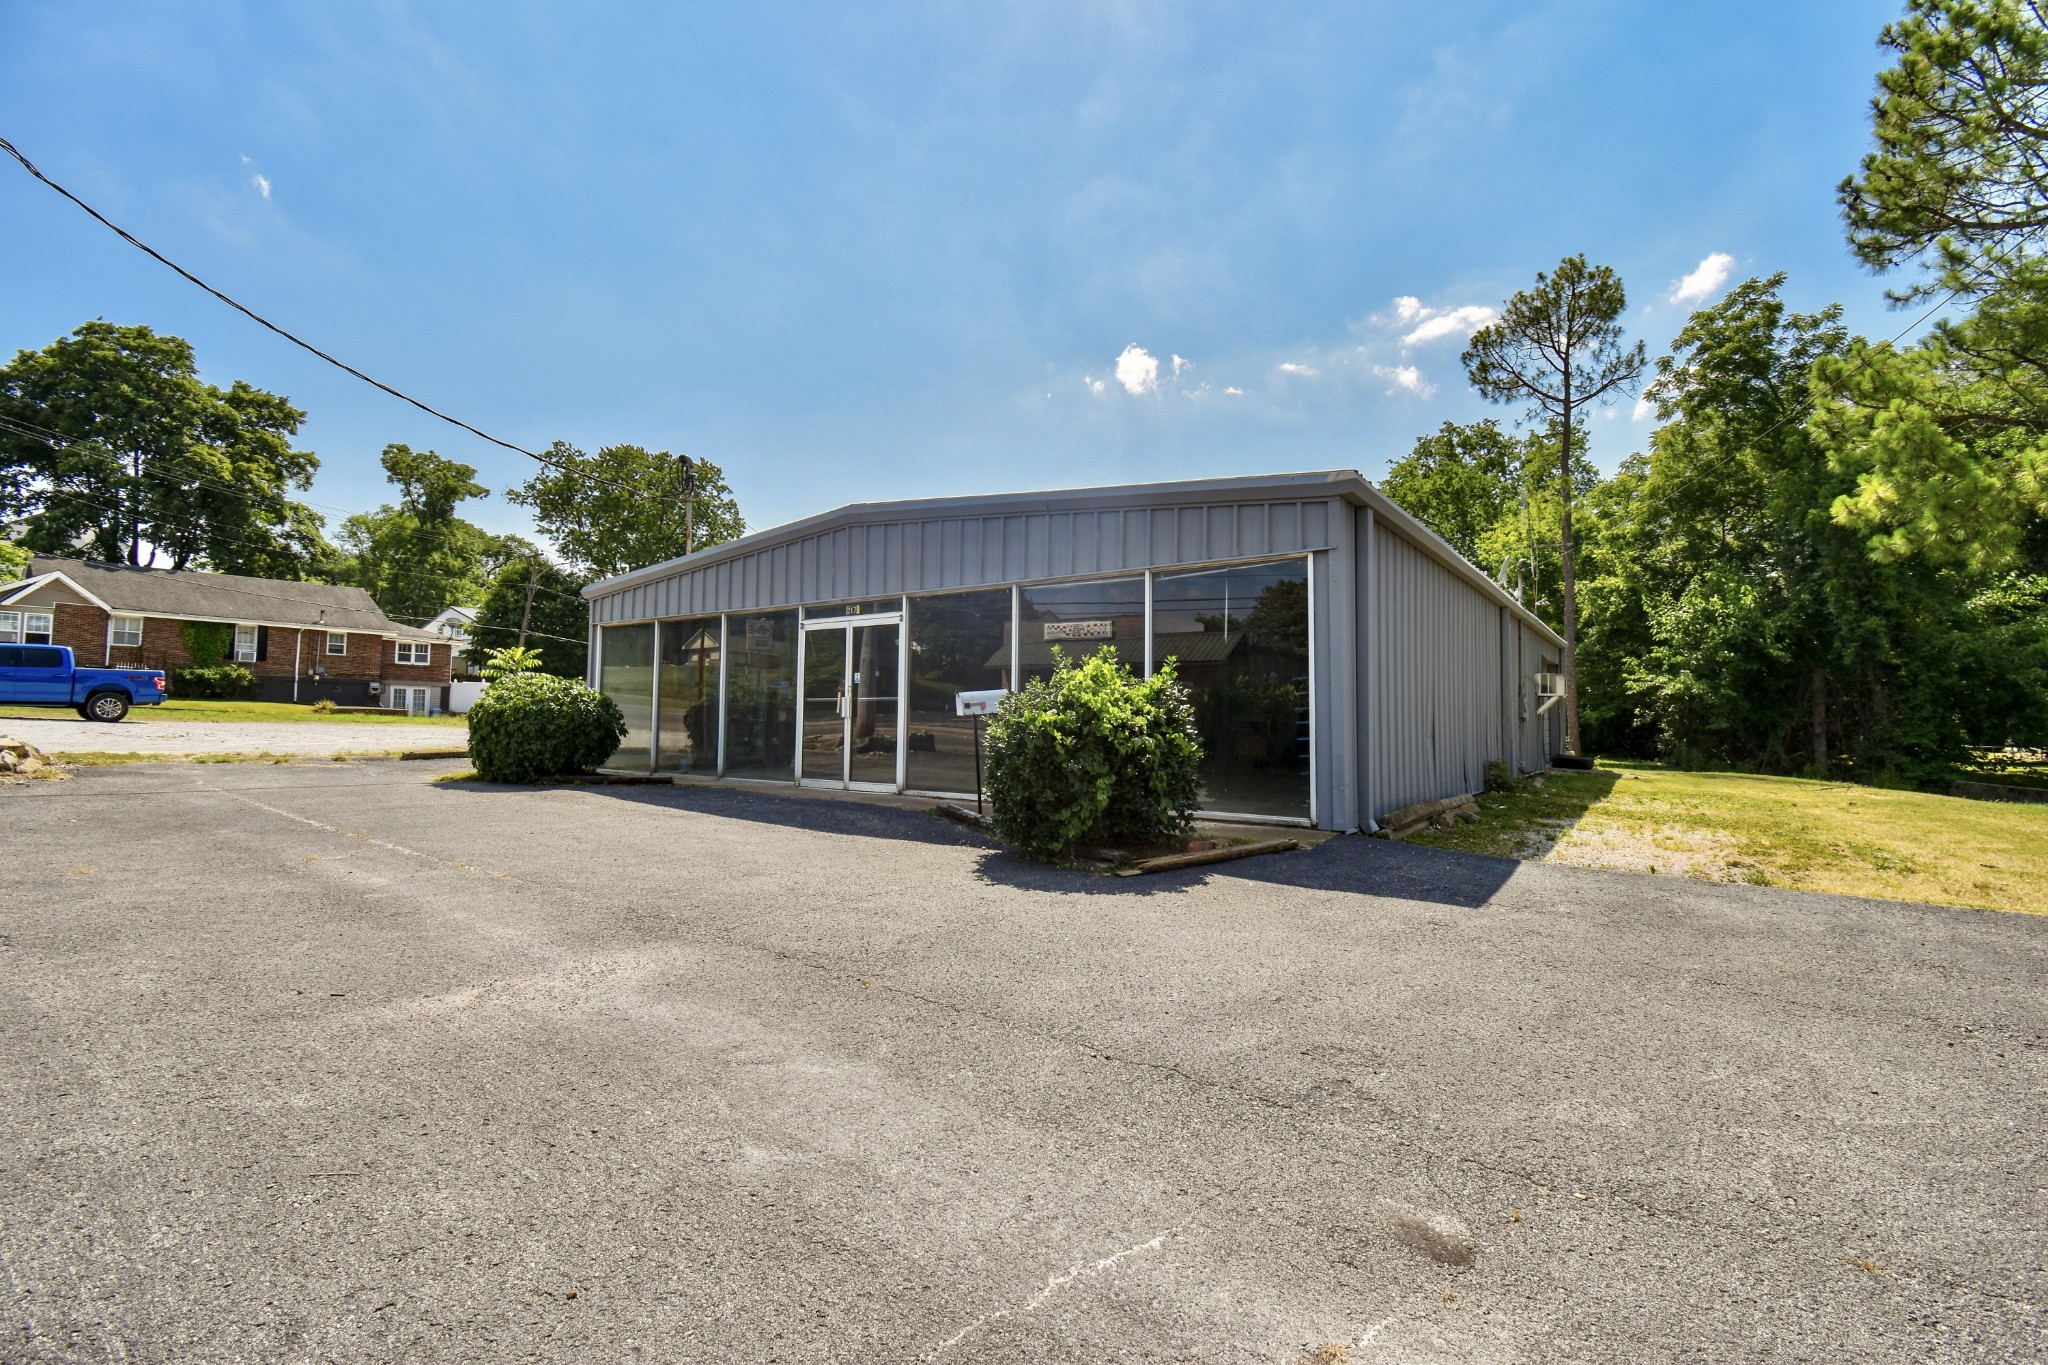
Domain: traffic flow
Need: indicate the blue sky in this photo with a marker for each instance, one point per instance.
(871, 251)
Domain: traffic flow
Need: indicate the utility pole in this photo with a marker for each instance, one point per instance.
(689, 503)
(532, 582)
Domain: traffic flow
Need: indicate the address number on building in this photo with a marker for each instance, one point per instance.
(1080, 630)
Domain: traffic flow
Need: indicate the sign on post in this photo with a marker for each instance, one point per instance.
(978, 703)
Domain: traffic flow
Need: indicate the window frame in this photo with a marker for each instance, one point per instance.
(404, 649)
(340, 635)
(48, 632)
(10, 634)
(114, 631)
(246, 654)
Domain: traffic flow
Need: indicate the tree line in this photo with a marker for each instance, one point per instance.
(113, 448)
(1833, 556)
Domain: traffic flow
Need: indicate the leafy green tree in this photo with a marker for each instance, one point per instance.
(510, 662)
(1957, 180)
(557, 627)
(416, 556)
(111, 446)
(1460, 481)
(1948, 440)
(1558, 348)
(1731, 619)
(625, 507)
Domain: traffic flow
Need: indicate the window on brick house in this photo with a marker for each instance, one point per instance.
(245, 644)
(337, 642)
(410, 652)
(26, 627)
(125, 632)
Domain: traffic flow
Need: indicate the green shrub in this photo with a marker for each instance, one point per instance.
(1499, 776)
(213, 682)
(324, 707)
(207, 642)
(535, 725)
(1093, 755)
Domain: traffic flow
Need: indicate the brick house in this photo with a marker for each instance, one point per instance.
(305, 642)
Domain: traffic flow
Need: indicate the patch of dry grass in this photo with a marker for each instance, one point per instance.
(1772, 831)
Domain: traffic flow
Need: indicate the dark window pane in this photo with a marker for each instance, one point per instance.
(1080, 618)
(760, 695)
(1240, 641)
(626, 675)
(687, 741)
(958, 643)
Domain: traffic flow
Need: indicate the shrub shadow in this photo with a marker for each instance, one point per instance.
(787, 809)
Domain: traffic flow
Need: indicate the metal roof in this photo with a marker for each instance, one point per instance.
(189, 594)
(1345, 484)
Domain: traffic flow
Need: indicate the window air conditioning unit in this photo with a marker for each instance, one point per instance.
(1550, 688)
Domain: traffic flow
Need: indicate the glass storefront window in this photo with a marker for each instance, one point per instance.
(760, 695)
(959, 642)
(687, 740)
(1239, 639)
(1080, 618)
(626, 675)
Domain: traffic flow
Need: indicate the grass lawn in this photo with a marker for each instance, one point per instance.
(176, 709)
(1771, 831)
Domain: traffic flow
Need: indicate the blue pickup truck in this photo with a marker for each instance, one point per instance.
(45, 675)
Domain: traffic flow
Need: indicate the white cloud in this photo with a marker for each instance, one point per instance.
(262, 184)
(1235, 390)
(1180, 363)
(1298, 369)
(1433, 324)
(1408, 308)
(1406, 378)
(1137, 369)
(1705, 281)
(1092, 384)
(1643, 410)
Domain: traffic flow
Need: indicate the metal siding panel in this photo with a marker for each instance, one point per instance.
(1085, 553)
(1189, 543)
(1161, 544)
(1286, 526)
(1219, 534)
(1315, 523)
(1059, 543)
(1015, 561)
(1037, 533)
(1251, 528)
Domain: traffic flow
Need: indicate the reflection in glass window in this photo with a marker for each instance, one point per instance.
(1080, 618)
(626, 675)
(958, 643)
(687, 741)
(760, 695)
(1239, 639)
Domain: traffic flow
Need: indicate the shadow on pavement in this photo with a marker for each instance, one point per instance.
(824, 814)
(1380, 867)
(1350, 862)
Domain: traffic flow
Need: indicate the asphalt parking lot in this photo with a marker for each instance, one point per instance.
(330, 1062)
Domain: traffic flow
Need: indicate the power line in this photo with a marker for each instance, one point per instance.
(256, 317)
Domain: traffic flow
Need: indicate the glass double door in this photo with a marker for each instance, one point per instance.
(852, 695)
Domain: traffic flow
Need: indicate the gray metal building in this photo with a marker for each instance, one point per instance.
(1344, 661)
